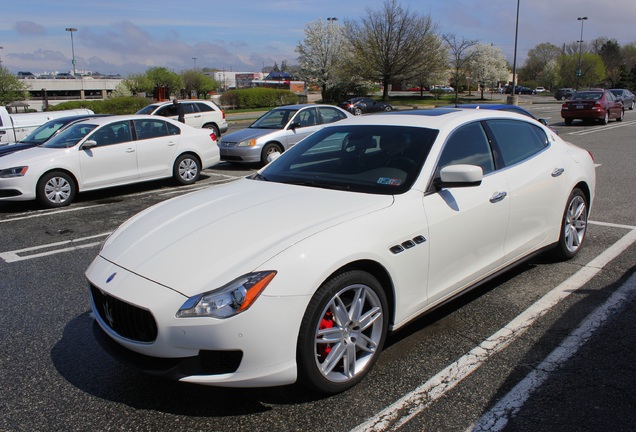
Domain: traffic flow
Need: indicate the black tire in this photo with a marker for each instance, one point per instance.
(338, 343)
(186, 169)
(568, 122)
(268, 150)
(388, 108)
(631, 105)
(605, 119)
(214, 128)
(573, 226)
(55, 189)
(563, 98)
(357, 111)
(621, 116)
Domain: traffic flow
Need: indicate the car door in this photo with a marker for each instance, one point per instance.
(193, 116)
(536, 184)
(306, 121)
(157, 142)
(467, 225)
(113, 160)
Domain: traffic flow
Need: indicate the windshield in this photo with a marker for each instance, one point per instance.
(369, 159)
(70, 136)
(274, 119)
(147, 110)
(44, 132)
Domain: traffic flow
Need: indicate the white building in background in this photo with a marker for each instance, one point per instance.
(232, 80)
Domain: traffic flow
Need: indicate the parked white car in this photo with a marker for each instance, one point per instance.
(197, 113)
(299, 271)
(276, 131)
(103, 152)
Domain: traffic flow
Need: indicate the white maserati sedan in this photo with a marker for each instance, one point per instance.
(103, 152)
(374, 220)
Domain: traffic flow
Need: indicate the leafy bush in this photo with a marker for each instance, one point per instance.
(120, 105)
(257, 98)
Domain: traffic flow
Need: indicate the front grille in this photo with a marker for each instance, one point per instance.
(128, 321)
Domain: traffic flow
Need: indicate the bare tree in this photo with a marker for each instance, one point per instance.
(460, 57)
(390, 43)
(320, 53)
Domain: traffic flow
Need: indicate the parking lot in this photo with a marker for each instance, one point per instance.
(535, 343)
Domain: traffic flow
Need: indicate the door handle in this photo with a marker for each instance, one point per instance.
(171, 143)
(557, 172)
(498, 196)
(130, 150)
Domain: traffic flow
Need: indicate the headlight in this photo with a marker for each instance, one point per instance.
(13, 172)
(229, 300)
(247, 143)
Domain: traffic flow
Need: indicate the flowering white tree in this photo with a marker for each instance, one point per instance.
(321, 52)
(488, 66)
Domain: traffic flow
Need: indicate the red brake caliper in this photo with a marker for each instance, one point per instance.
(325, 323)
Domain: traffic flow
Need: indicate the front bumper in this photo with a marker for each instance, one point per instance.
(252, 349)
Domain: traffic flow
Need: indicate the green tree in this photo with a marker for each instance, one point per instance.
(138, 83)
(538, 58)
(389, 44)
(195, 80)
(592, 70)
(610, 52)
(162, 77)
(11, 88)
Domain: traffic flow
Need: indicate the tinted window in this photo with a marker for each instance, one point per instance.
(517, 140)
(113, 133)
(330, 115)
(167, 111)
(204, 107)
(147, 129)
(468, 145)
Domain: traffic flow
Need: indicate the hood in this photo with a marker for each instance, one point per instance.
(203, 240)
(245, 134)
(12, 148)
(27, 156)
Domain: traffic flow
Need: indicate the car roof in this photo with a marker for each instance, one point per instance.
(300, 106)
(99, 121)
(436, 118)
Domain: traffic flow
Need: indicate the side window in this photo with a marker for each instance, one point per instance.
(330, 115)
(167, 111)
(307, 117)
(147, 129)
(468, 145)
(113, 133)
(189, 108)
(517, 140)
(172, 129)
(204, 107)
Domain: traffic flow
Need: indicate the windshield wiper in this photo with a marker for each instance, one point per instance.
(258, 176)
(319, 184)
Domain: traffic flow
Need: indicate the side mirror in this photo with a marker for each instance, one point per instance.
(89, 144)
(294, 125)
(543, 121)
(460, 176)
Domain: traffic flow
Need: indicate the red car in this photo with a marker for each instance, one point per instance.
(599, 105)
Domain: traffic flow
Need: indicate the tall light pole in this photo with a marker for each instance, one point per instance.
(72, 29)
(580, 41)
(1, 57)
(513, 100)
(332, 19)
(195, 62)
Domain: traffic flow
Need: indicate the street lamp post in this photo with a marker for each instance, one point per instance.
(195, 62)
(332, 19)
(1, 57)
(72, 29)
(513, 99)
(580, 41)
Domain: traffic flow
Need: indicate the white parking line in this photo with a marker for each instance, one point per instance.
(604, 128)
(497, 417)
(53, 248)
(416, 401)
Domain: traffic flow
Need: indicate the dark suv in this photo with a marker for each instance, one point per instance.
(564, 93)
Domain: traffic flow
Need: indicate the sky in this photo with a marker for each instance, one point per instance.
(130, 36)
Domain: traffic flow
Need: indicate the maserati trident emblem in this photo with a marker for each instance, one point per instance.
(111, 277)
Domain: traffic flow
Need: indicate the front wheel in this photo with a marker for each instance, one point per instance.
(573, 226)
(269, 150)
(186, 170)
(55, 189)
(342, 332)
